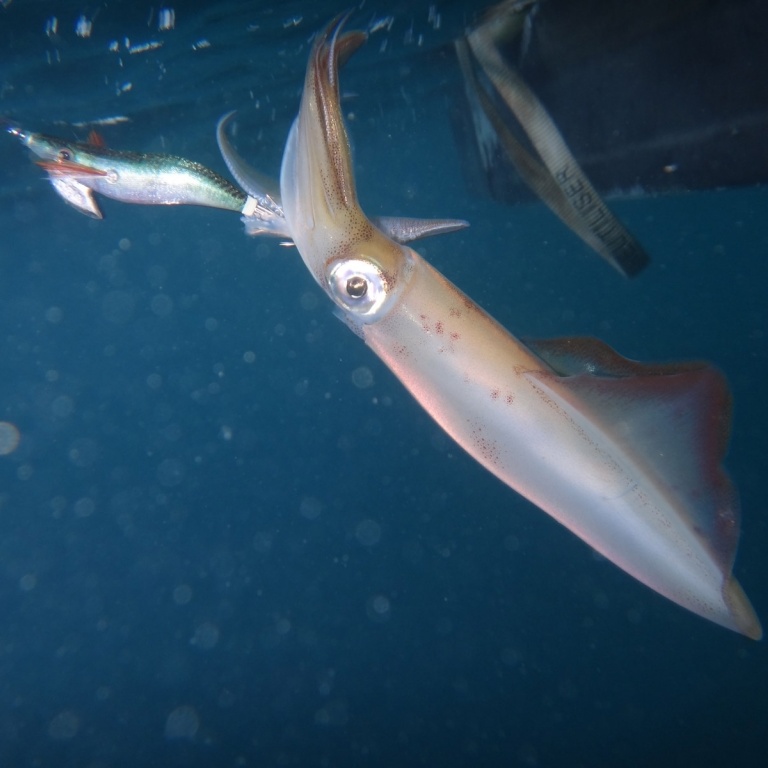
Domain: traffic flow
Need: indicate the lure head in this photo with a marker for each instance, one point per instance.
(14, 129)
(66, 170)
(61, 158)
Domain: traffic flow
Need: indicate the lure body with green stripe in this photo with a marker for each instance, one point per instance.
(78, 170)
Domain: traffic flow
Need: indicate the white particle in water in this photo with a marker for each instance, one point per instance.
(83, 26)
(166, 19)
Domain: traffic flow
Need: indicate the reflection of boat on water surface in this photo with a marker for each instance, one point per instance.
(650, 97)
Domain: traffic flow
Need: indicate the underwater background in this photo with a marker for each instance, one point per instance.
(228, 536)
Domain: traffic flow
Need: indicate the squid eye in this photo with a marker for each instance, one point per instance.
(358, 286)
(65, 154)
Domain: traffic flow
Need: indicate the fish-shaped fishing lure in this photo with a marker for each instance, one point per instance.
(78, 170)
(627, 456)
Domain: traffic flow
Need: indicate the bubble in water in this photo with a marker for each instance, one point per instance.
(84, 507)
(206, 636)
(27, 582)
(161, 305)
(64, 726)
(282, 626)
(170, 473)
(510, 656)
(53, 314)
(62, 406)
(310, 507)
(226, 698)
(362, 377)
(156, 274)
(182, 723)
(378, 608)
(309, 301)
(368, 532)
(182, 594)
(117, 307)
(83, 452)
(333, 713)
(262, 542)
(9, 438)
(380, 604)
(58, 506)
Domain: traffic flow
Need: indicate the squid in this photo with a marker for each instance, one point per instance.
(628, 456)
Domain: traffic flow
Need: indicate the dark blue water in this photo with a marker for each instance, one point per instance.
(228, 537)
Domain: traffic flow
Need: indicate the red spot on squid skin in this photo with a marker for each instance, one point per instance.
(495, 394)
(439, 327)
(509, 399)
(455, 336)
(454, 312)
(488, 449)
